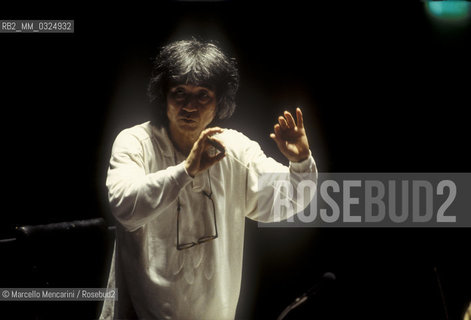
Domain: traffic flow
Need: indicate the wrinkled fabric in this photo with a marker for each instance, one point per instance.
(145, 177)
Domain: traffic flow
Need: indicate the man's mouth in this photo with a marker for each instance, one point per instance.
(188, 120)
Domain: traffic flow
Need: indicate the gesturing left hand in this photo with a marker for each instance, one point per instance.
(290, 138)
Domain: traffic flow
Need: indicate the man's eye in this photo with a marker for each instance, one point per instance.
(203, 96)
(179, 94)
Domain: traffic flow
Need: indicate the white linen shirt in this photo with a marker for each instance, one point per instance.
(145, 177)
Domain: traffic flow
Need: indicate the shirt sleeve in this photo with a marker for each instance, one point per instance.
(134, 196)
(273, 190)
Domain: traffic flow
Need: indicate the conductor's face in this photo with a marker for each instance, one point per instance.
(190, 109)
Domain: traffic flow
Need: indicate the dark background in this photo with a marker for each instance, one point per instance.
(384, 88)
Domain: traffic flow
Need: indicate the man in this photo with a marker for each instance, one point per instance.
(181, 188)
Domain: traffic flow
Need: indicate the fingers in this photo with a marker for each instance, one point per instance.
(287, 122)
(277, 130)
(216, 143)
(290, 136)
(287, 129)
(277, 139)
(199, 160)
(299, 117)
(205, 134)
(216, 158)
(283, 123)
(277, 135)
(210, 131)
(209, 160)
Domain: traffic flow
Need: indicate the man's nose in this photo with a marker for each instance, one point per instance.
(190, 104)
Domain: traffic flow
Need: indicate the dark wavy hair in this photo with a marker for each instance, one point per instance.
(197, 63)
